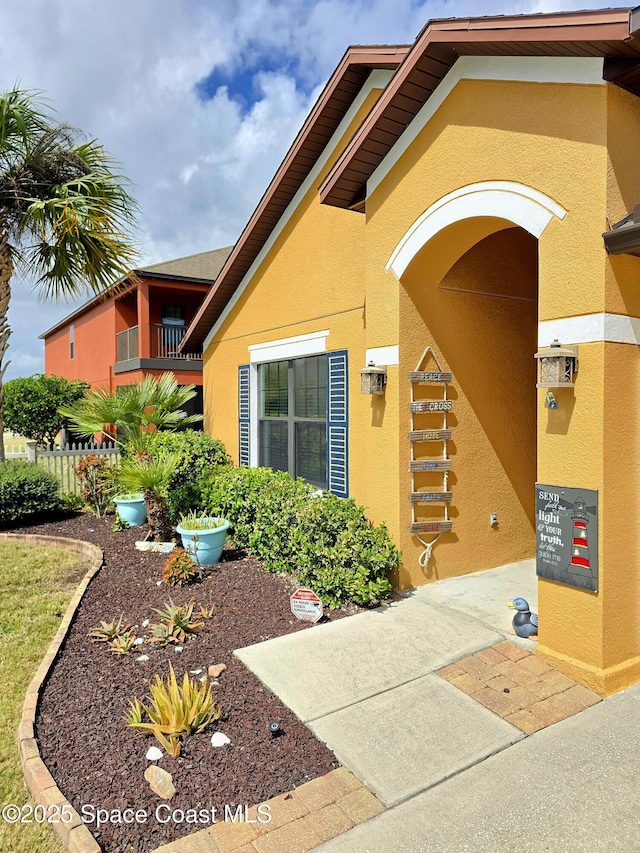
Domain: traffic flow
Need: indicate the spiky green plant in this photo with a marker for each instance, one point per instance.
(154, 403)
(109, 630)
(178, 619)
(151, 477)
(123, 643)
(174, 710)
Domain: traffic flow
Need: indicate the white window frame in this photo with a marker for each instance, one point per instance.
(299, 346)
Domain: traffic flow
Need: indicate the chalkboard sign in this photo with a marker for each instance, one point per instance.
(567, 536)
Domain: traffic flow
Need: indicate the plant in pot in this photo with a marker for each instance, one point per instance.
(203, 537)
(131, 414)
(131, 508)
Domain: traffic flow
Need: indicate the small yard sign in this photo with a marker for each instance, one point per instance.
(306, 605)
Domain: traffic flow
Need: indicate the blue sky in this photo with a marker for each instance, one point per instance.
(199, 101)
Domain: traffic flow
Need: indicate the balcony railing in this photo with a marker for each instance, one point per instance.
(165, 341)
(127, 344)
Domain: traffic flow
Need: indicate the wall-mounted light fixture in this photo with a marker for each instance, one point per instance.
(550, 400)
(373, 379)
(557, 366)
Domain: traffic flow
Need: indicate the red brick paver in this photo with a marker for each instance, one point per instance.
(519, 687)
(301, 820)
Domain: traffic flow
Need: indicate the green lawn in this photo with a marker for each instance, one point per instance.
(36, 585)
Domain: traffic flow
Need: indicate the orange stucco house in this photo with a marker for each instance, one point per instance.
(450, 210)
(117, 340)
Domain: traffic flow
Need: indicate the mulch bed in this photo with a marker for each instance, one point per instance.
(96, 760)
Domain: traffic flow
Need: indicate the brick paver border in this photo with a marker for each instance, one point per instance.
(301, 820)
(518, 686)
(74, 834)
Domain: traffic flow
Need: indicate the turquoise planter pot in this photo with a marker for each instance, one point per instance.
(133, 509)
(208, 545)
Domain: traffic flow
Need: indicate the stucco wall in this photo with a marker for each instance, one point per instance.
(551, 137)
(312, 279)
(94, 350)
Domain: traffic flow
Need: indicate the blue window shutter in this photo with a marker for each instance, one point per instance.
(338, 424)
(244, 415)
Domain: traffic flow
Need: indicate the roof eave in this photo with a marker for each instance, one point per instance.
(623, 241)
(604, 25)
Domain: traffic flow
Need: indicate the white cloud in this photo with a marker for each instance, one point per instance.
(126, 72)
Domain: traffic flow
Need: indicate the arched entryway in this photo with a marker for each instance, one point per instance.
(468, 270)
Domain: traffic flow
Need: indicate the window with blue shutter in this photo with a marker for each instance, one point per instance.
(244, 414)
(337, 424)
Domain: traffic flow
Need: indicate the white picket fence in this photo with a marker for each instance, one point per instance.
(60, 462)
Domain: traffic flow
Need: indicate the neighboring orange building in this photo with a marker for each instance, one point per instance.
(117, 340)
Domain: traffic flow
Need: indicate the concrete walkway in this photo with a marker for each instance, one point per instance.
(366, 687)
(571, 788)
(436, 758)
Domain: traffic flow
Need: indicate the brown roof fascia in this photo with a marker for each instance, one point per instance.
(504, 35)
(356, 58)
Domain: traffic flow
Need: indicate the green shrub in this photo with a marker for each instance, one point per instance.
(262, 506)
(327, 542)
(339, 551)
(199, 455)
(26, 491)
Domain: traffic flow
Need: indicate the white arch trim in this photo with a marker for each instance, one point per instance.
(517, 203)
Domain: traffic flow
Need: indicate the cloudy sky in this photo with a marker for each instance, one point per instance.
(198, 100)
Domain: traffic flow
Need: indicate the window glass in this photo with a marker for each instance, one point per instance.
(274, 445)
(293, 417)
(311, 452)
(173, 315)
(274, 388)
(310, 387)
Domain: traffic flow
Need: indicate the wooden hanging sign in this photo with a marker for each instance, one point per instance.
(430, 526)
(430, 465)
(430, 497)
(431, 406)
(426, 376)
(429, 434)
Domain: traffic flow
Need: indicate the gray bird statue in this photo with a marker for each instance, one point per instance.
(525, 623)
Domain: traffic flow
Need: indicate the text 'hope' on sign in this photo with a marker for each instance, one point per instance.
(306, 605)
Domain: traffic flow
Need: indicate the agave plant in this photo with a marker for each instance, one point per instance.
(174, 710)
(177, 618)
(109, 630)
(123, 643)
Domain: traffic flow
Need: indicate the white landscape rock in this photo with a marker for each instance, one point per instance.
(177, 648)
(143, 658)
(219, 739)
(195, 671)
(154, 754)
(160, 782)
(145, 624)
(138, 641)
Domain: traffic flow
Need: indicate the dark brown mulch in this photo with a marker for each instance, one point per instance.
(97, 761)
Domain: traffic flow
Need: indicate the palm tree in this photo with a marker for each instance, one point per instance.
(64, 213)
(132, 412)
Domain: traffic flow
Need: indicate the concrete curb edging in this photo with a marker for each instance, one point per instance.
(73, 833)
